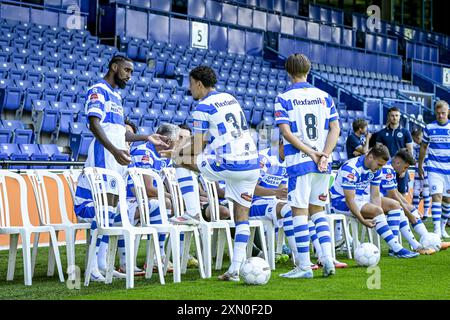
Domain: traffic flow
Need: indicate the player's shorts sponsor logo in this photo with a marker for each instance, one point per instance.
(323, 197)
(278, 114)
(247, 197)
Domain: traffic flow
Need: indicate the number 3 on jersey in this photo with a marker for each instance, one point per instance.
(229, 117)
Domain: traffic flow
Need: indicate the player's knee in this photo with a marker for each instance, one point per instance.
(224, 213)
(378, 211)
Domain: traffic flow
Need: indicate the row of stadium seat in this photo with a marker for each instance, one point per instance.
(354, 72)
(33, 152)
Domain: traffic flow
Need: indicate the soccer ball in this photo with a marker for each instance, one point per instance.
(255, 270)
(431, 241)
(367, 255)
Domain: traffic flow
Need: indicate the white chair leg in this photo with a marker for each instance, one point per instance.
(270, 237)
(176, 259)
(331, 223)
(354, 227)
(347, 237)
(111, 257)
(51, 257)
(280, 241)
(26, 244)
(205, 233)
(35, 251)
(88, 239)
(90, 257)
(229, 243)
(186, 247)
(150, 254)
(70, 250)
(263, 243)
(199, 254)
(136, 246)
(214, 238)
(56, 257)
(129, 252)
(13, 241)
(250, 242)
(158, 257)
(220, 245)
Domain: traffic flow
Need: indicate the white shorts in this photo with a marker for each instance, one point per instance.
(239, 185)
(421, 186)
(311, 188)
(439, 183)
(340, 206)
(99, 157)
(264, 209)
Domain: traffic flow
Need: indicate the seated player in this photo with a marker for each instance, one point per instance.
(396, 206)
(356, 191)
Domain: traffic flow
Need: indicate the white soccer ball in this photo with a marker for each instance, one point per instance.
(255, 271)
(367, 255)
(431, 241)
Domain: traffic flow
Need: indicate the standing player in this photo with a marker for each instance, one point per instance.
(307, 119)
(421, 187)
(436, 140)
(356, 192)
(108, 149)
(221, 149)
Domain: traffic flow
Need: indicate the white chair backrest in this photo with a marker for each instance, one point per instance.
(175, 191)
(213, 198)
(97, 182)
(71, 177)
(37, 178)
(5, 220)
(137, 175)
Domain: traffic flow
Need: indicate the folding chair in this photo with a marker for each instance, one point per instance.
(25, 230)
(96, 178)
(137, 175)
(37, 178)
(178, 209)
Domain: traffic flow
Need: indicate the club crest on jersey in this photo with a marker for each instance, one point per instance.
(113, 184)
(323, 197)
(278, 114)
(399, 135)
(146, 158)
(247, 197)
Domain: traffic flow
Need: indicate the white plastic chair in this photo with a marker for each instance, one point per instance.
(37, 178)
(25, 230)
(255, 226)
(71, 176)
(178, 210)
(165, 227)
(214, 229)
(332, 219)
(371, 233)
(95, 177)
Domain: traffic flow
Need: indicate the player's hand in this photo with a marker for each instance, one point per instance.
(412, 219)
(122, 156)
(368, 223)
(282, 193)
(316, 155)
(159, 140)
(323, 164)
(421, 172)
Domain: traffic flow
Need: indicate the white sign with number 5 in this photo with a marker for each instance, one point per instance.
(199, 35)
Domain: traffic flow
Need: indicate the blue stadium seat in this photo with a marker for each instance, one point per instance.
(256, 117)
(5, 135)
(180, 117)
(186, 103)
(10, 98)
(11, 151)
(34, 154)
(166, 116)
(173, 102)
(151, 118)
(44, 117)
(145, 130)
(79, 139)
(54, 153)
(160, 101)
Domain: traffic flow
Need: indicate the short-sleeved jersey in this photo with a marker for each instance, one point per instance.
(437, 137)
(353, 175)
(308, 111)
(388, 178)
(221, 117)
(145, 156)
(105, 103)
(273, 172)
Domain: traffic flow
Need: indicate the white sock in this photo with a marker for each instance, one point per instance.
(288, 227)
(324, 235)
(406, 231)
(190, 191)
(301, 232)
(240, 245)
(419, 227)
(383, 230)
(314, 239)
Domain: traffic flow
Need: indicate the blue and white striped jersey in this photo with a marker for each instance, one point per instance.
(438, 139)
(145, 156)
(353, 175)
(221, 116)
(308, 111)
(388, 178)
(83, 202)
(273, 172)
(105, 103)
